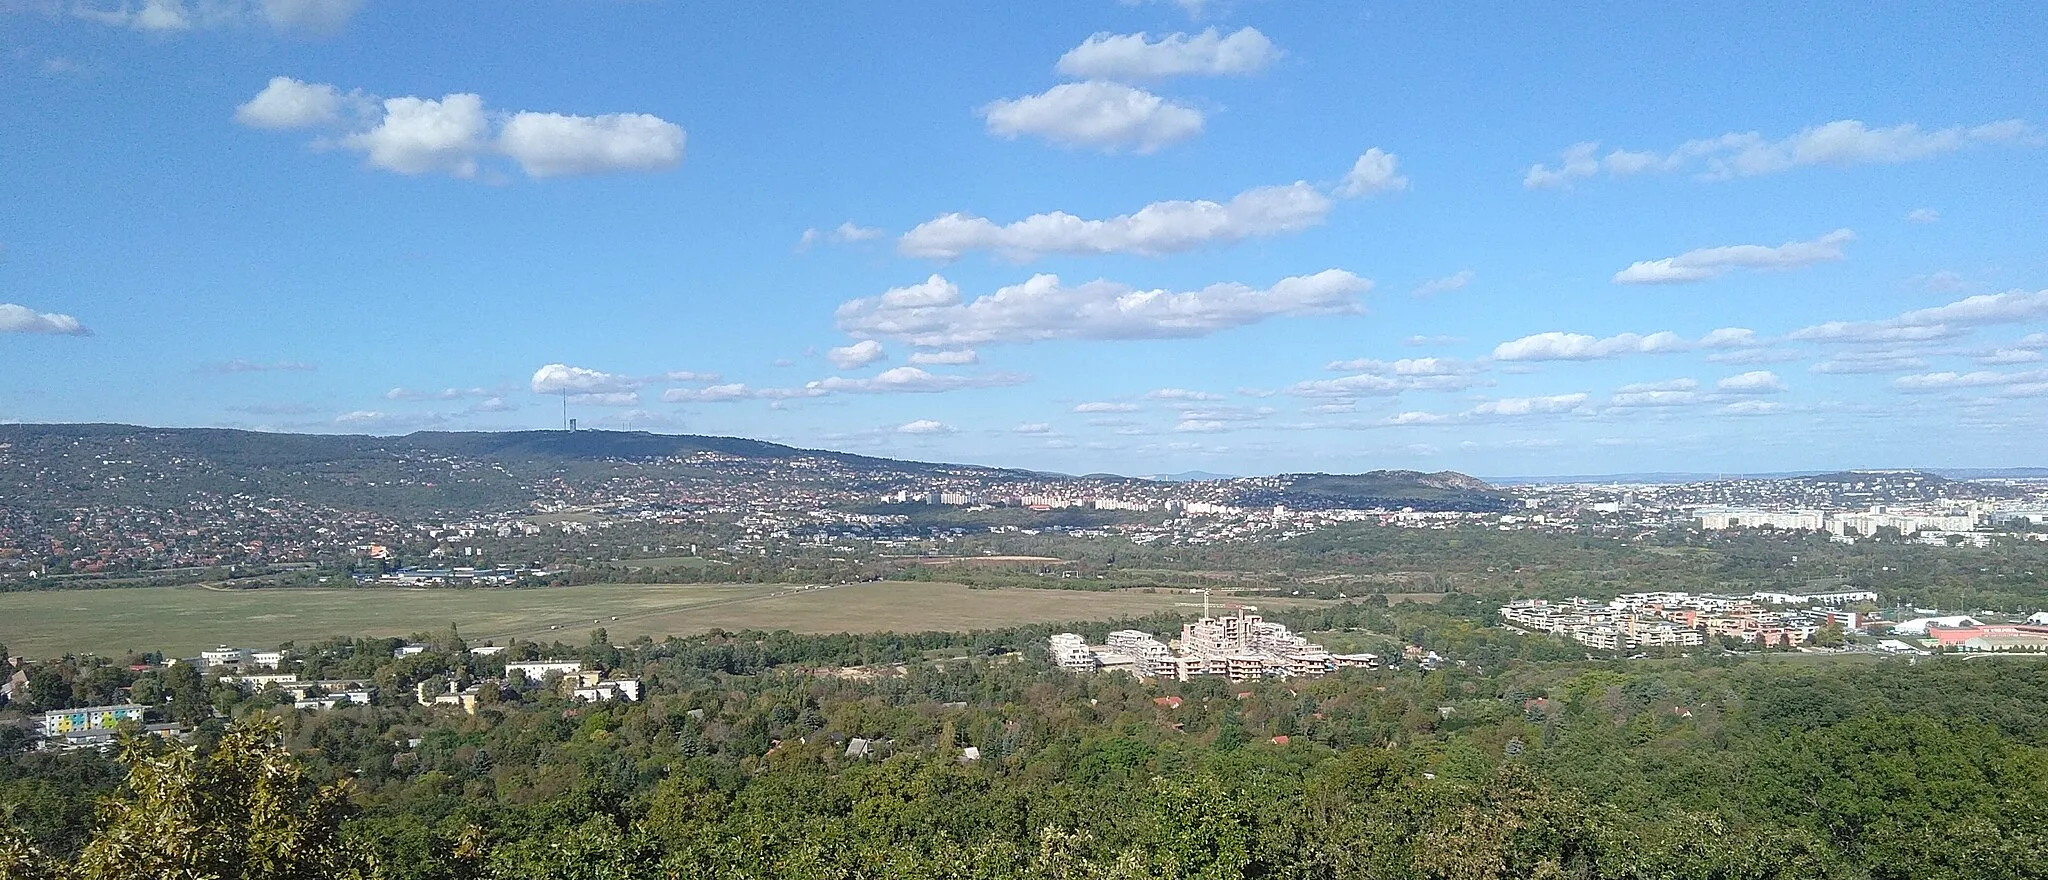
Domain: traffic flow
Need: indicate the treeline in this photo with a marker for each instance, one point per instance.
(757, 755)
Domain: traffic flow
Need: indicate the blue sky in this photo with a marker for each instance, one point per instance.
(1245, 236)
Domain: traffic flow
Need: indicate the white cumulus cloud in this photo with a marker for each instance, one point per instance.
(1181, 394)
(949, 357)
(1156, 229)
(1382, 384)
(1749, 154)
(1666, 385)
(564, 379)
(1526, 406)
(924, 426)
(859, 354)
(1946, 380)
(443, 394)
(1752, 382)
(22, 319)
(1138, 56)
(1559, 346)
(1713, 262)
(1446, 284)
(414, 135)
(1096, 113)
(1653, 399)
(1422, 366)
(1937, 322)
(910, 380)
(934, 314)
(845, 233)
(1103, 406)
(170, 16)
(1372, 174)
(554, 144)
(710, 394)
(288, 103)
(418, 135)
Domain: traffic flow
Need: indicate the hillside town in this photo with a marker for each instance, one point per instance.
(1823, 618)
(156, 503)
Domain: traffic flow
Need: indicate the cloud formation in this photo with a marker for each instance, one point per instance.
(934, 314)
(1749, 154)
(1713, 262)
(1559, 346)
(1137, 56)
(287, 103)
(172, 16)
(1446, 284)
(1528, 406)
(857, 355)
(1156, 229)
(22, 319)
(1371, 175)
(564, 379)
(555, 144)
(1376, 378)
(845, 233)
(924, 426)
(1937, 322)
(949, 357)
(452, 135)
(1752, 382)
(910, 380)
(1181, 394)
(1105, 115)
(1949, 380)
(443, 394)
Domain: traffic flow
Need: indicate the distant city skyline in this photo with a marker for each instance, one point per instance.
(1094, 236)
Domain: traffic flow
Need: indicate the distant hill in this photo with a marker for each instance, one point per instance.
(1443, 490)
(429, 471)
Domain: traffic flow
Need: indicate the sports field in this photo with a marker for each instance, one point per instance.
(181, 621)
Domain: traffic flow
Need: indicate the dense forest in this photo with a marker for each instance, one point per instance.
(968, 756)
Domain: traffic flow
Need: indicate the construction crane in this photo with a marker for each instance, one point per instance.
(1241, 607)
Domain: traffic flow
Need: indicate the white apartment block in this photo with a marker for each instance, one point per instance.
(537, 672)
(1864, 522)
(224, 656)
(1243, 647)
(1070, 652)
(1667, 619)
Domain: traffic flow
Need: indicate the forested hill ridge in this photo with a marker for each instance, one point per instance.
(420, 473)
(453, 473)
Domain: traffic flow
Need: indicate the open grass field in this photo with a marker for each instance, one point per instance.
(184, 620)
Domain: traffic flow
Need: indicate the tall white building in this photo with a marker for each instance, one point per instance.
(1070, 652)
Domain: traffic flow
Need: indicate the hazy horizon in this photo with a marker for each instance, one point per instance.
(1140, 474)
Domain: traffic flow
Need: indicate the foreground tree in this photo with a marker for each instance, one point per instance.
(244, 812)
